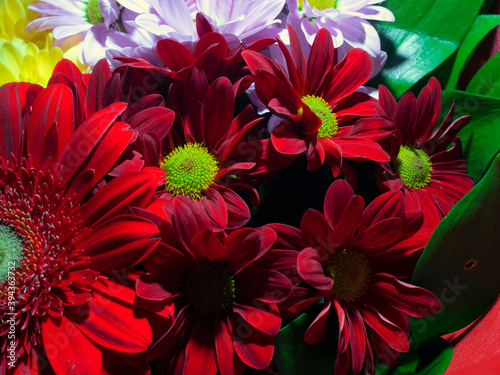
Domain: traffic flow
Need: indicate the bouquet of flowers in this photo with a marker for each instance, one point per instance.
(249, 187)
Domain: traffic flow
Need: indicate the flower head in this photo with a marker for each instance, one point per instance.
(354, 258)
(315, 103)
(60, 239)
(432, 175)
(225, 288)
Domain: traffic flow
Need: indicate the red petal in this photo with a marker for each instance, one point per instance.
(12, 100)
(245, 245)
(311, 265)
(286, 141)
(174, 55)
(68, 349)
(265, 316)
(383, 233)
(337, 198)
(200, 350)
(101, 73)
(214, 205)
(206, 245)
(148, 289)
(262, 284)
(253, 347)
(167, 263)
(238, 212)
(315, 226)
(357, 148)
(385, 206)
(317, 330)
(349, 222)
(357, 337)
(319, 62)
(224, 347)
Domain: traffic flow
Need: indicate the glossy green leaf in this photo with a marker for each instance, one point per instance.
(293, 356)
(461, 262)
(425, 33)
(481, 137)
(430, 358)
(480, 28)
(487, 80)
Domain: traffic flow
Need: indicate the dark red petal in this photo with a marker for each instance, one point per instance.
(238, 212)
(101, 73)
(319, 62)
(174, 55)
(411, 299)
(86, 138)
(262, 284)
(349, 223)
(269, 86)
(357, 148)
(256, 61)
(67, 348)
(388, 331)
(262, 316)
(357, 337)
(54, 105)
(147, 288)
(387, 100)
(214, 205)
(206, 245)
(315, 227)
(337, 198)
(405, 116)
(286, 141)
(298, 55)
(311, 265)
(333, 155)
(200, 350)
(114, 326)
(223, 347)
(245, 245)
(385, 206)
(167, 263)
(381, 234)
(253, 347)
(289, 237)
(387, 355)
(317, 330)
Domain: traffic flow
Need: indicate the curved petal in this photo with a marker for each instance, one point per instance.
(311, 264)
(262, 316)
(253, 347)
(317, 330)
(262, 284)
(206, 245)
(337, 198)
(315, 227)
(200, 350)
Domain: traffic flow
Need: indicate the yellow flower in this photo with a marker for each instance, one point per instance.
(28, 57)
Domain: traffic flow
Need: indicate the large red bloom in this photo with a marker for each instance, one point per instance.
(354, 259)
(432, 175)
(316, 103)
(225, 287)
(59, 240)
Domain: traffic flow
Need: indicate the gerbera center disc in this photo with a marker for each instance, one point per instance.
(94, 12)
(209, 287)
(321, 4)
(414, 167)
(329, 125)
(351, 273)
(11, 251)
(190, 169)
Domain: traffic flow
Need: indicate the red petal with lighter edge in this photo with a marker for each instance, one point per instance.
(12, 100)
(381, 234)
(385, 206)
(254, 347)
(411, 299)
(262, 284)
(266, 319)
(174, 55)
(286, 141)
(317, 330)
(357, 338)
(200, 350)
(349, 222)
(114, 325)
(214, 206)
(311, 265)
(357, 148)
(206, 245)
(315, 227)
(243, 246)
(337, 198)
(147, 288)
(68, 350)
(319, 62)
(223, 347)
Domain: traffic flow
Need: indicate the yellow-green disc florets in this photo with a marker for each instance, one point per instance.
(320, 107)
(94, 12)
(11, 251)
(351, 274)
(190, 170)
(414, 167)
(320, 4)
(209, 287)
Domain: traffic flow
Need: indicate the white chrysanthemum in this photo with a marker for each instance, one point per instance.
(346, 20)
(237, 20)
(94, 20)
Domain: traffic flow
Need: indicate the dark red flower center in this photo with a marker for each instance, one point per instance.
(351, 272)
(209, 287)
(414, 167)
(329, 125)
(190, 169)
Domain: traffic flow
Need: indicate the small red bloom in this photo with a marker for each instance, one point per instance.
(432, 175)
(354, 259)
(60, 239)
(316, 103)
(225, 287)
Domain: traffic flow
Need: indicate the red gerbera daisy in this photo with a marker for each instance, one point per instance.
(354, 261)
(316, 103)
(58, 240)
(226, 288)
(432, 175)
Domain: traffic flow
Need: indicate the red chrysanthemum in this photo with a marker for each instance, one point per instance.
(225, 287)
(59, 238)
(432, 175)
(354, 261)
(316, 103)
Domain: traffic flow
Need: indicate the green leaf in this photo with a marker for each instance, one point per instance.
(293, 356)
(481, 27)
(461, 262)
(431, 358)
(425, 33)
(481, 137)
(487, 80)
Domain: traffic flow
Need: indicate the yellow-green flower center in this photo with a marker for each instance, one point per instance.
(351, 274)
(414, 167)
(190, 170)
(320, 4)
(329, 125)
(11, 251)
(209, 287)
(94, 12)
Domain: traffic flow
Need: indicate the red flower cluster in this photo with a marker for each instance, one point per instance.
(124, 201)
